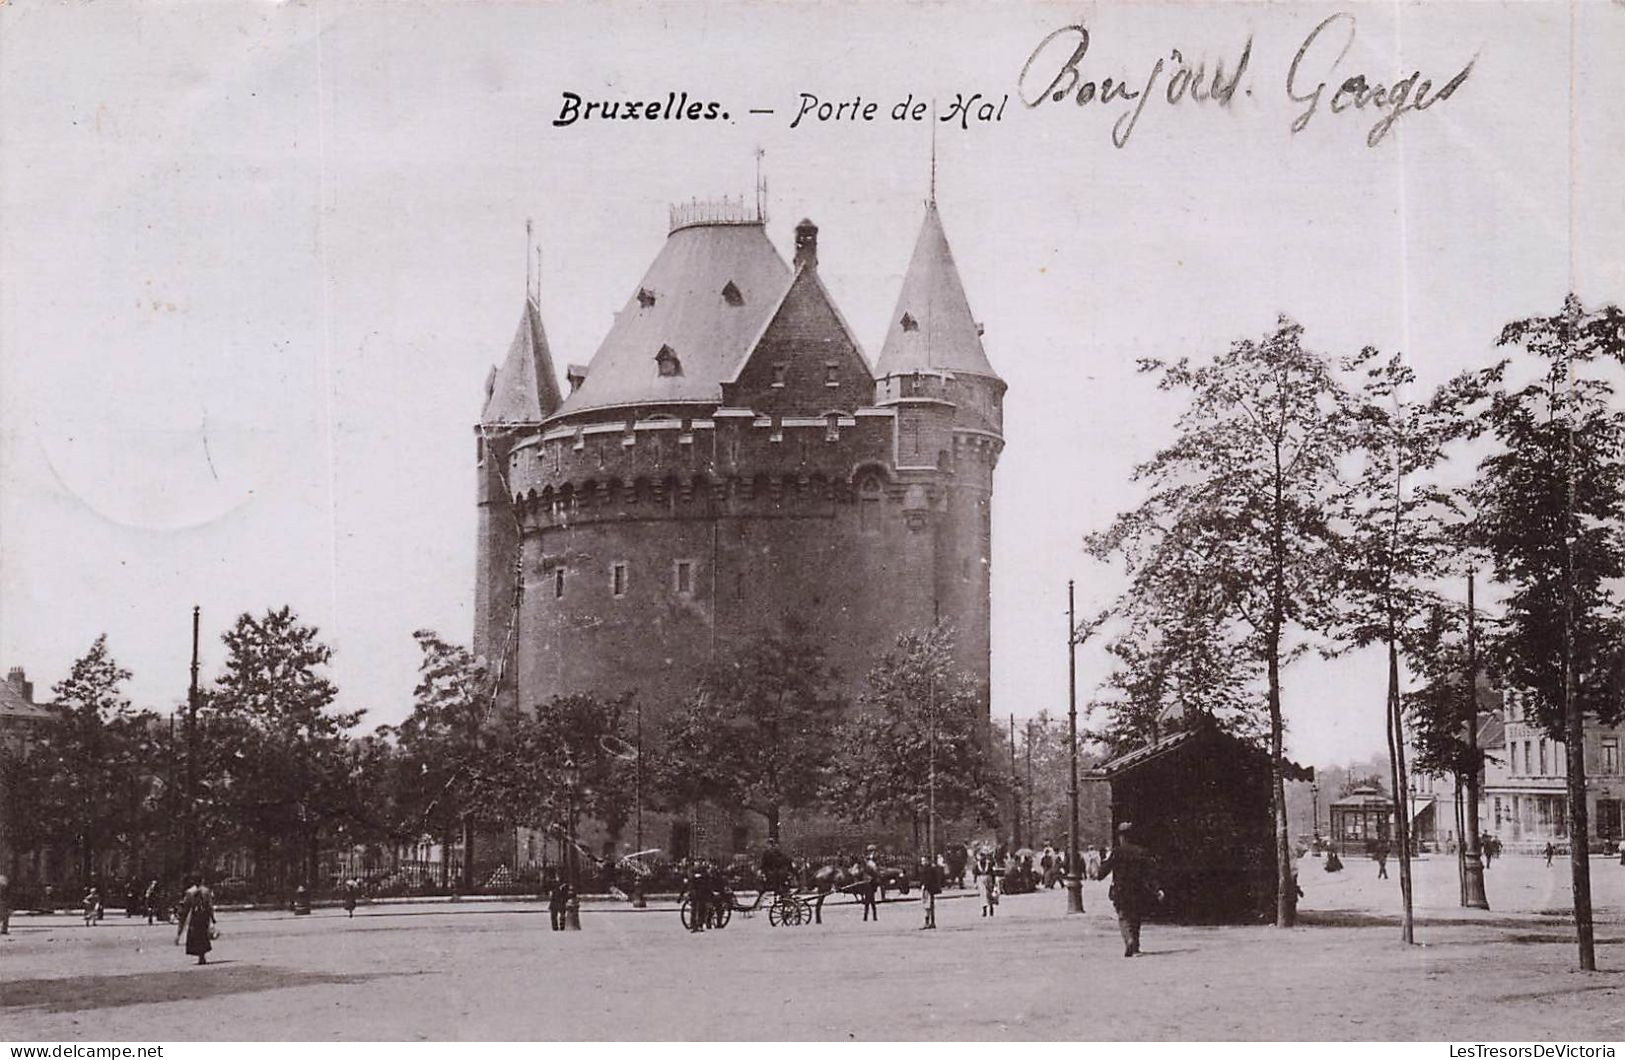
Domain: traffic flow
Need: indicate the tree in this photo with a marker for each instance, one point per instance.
(1178, 660)
(444, 767)
(1550, 503)
(536, 752)
(1440, 716)
(88, 758)
(280, 768)
(759, 730)
(914, 741)
(1044, 741)
(1240, 503)
(1399, 538)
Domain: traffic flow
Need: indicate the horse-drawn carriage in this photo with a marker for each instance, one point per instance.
(786, 909)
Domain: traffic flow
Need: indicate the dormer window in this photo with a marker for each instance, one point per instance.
(731, 295)
(646, 297)
(909, 323)
(667, 362)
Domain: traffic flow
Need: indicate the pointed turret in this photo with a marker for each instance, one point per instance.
(932, 327)
(524, 389)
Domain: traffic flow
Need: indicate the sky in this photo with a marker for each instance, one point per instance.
(256, 260)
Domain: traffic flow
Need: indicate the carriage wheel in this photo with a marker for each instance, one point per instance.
(803, 911)
(777, 914)
(724, 913)
(687, 913)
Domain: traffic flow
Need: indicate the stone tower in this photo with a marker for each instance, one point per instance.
(519, 395)
(729, 459)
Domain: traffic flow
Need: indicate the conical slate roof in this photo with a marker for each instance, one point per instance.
(683, 305)
(525, 389)
(932, 326)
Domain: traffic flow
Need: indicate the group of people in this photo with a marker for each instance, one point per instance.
(145, 901)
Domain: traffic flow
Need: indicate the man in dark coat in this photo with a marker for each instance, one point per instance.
(1133, 889)
(776, 868)
(699, 896)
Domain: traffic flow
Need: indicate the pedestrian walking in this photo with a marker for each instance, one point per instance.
(1550, 852)
(92, 904)
(931, 880)
(989, 883)
(5, 906)
(1133, 890)
(197, 919)
(1380, 852)
(150, 900)
(350, 888)
(558, 903)
(1622, 851)
(699, 897)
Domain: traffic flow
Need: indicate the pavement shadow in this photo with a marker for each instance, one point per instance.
(195, 982)
(1364, 918)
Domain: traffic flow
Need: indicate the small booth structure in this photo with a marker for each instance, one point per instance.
(1201, 804)
(1362, 816)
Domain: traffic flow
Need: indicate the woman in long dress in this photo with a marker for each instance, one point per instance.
(197, 919)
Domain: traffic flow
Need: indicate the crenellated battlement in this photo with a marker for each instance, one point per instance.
(739, 445)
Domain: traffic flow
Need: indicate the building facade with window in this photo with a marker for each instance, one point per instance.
(1523, 793)
(728, 459)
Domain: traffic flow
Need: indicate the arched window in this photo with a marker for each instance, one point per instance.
(869, 505)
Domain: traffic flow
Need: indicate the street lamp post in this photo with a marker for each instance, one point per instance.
(1075, 635)
(1314, 795)
(572, 860)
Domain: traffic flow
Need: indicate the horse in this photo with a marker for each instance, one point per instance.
(862, 882)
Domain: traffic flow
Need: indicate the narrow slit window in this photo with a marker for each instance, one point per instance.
(832, 375)
(558, 583)
(685, 577)
(780, 371)
(731, 295)
(617, 579)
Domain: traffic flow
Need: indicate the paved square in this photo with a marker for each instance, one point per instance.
(480, 970)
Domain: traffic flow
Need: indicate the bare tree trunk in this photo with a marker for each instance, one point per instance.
(1396, 768)
(1286, 894)
(1580, 836)
(773, 822)
(468, 855)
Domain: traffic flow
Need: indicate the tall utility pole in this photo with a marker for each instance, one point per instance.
(1473, 895)
(1074, 866)
(1075, 635)
(931, 783)
(1027, 744)
(189, 835)
(1015, 790)
(639, 776)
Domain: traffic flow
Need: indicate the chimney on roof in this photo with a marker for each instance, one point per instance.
(24, 687)
(806, 244)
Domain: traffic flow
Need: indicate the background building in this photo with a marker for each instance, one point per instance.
(1524, 789)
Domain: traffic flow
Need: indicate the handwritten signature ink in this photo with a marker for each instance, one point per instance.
(1185, 81)
(1393, 101)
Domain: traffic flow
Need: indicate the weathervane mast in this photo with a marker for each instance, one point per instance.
(530, 248)
(761, 187)
(933, 199)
